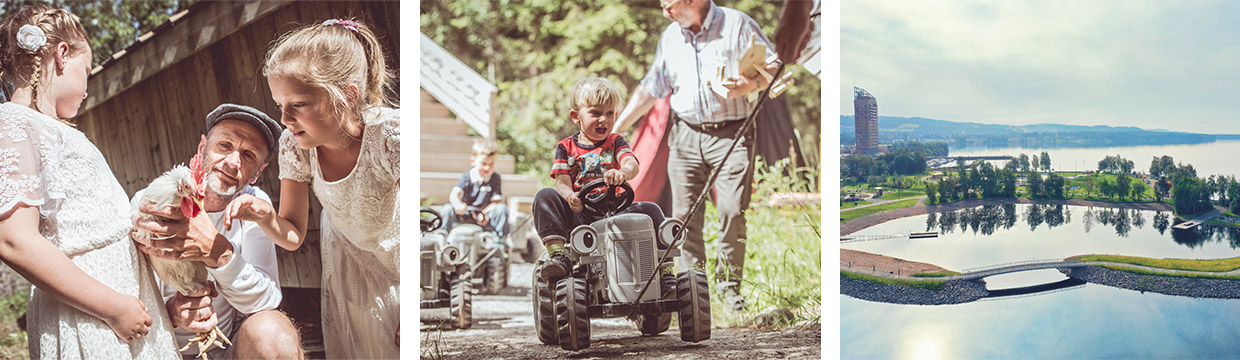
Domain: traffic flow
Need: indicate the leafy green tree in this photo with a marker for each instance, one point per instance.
(1034, 184)
(1009, 183)
(1162, 189)
(1053, 186)
(1024, 163)
(1045, 160)
(947, 189)
(1138, 188)
(111, 26)
(1122, 184)
(1188, 196)
(534, 51)
(931, 189)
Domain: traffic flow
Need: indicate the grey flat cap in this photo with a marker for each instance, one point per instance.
(270, 129)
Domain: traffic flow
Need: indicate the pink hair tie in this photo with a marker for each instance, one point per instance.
(347, 24)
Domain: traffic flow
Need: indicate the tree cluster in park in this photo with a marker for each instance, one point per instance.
(534, 51)
(1115, 164)
(899, 162)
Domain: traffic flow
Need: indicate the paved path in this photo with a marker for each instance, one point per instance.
(1202, 219)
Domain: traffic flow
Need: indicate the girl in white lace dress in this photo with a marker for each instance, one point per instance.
(64, 222)
(343, 141)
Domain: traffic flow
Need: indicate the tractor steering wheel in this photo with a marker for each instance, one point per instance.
(431, 223)
(608, 202)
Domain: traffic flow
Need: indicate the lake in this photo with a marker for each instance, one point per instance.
(1089, 321)
(1214, 158)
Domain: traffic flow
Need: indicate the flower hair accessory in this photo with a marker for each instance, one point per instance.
(347, 24)
(31, 38)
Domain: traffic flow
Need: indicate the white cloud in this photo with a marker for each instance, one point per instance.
(1138, 63)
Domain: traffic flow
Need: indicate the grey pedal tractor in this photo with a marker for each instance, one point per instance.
(445, 272)
(614, 259)
(487, 254)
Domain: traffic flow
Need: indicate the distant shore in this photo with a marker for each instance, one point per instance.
(921, 208)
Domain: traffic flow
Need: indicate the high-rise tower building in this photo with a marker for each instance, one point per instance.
(865, 110)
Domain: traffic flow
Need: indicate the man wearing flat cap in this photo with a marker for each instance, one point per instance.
(240, 259)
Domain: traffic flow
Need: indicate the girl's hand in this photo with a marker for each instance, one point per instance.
(247, 208)
(129, 321)
(574, 203)
(613, 177)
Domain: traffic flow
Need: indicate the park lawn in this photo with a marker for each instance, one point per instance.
(845, 216)
(903, 194)
(1180, 275)
(852, 204)
(1209, 265)
(925, 284)
(1147, 193)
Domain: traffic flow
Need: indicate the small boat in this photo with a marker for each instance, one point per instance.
(922, 235)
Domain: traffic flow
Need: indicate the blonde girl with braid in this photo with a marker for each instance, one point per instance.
(64, 222)
(331, 84)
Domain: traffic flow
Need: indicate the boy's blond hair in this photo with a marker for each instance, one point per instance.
(485, 147)
(593, 92)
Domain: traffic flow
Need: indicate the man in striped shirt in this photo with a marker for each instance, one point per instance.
(702, 38)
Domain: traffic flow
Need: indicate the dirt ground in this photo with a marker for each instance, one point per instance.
(504, 329)
(859, 260)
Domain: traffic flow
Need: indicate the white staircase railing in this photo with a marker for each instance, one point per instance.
(458, 87)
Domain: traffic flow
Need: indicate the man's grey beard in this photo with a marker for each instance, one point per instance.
(213, 184)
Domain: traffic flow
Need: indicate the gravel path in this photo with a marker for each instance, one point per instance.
(504, 329)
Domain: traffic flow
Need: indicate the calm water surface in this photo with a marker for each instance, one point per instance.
(1090, 321)
(1215, 158)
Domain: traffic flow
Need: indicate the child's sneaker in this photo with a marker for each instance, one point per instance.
(557, 265)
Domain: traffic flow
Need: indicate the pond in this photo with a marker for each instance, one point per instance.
(1088, 321)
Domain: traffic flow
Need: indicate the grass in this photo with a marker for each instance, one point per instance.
(927, 284)
(936, 274)
(902, 194)
(1209, 265)
(852, 204)
(782, 253)
(845, 216)
(1179, 275)
(13, 339)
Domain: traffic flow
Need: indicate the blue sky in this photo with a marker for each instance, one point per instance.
(1171, 65)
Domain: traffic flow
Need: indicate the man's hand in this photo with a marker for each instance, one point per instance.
(740, 86)
(480, 217)
(192, 313)
(794, 30)
(190, 239)
(460, 210)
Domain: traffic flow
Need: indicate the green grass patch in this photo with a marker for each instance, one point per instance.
(1179, 275)
(1210, 265)
(845, 216)
(852, 204)
(927, 284)
(782, 253)
(936, 274)
(902, 194)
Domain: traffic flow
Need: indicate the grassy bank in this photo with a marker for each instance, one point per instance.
(936, 274)
(1211, 265)
(928, 284)
(782, 253)
(1179, 275)
(853, 214)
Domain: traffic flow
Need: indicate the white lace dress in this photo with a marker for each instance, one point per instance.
(83, 211)
(359, 238)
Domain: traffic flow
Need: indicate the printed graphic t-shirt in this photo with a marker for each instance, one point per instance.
(584, 163)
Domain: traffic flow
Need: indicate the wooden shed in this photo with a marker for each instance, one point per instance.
(147, 104)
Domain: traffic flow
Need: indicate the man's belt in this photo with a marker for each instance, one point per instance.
(712, 126)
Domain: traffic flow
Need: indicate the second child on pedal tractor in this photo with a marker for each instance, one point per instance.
(590, 154)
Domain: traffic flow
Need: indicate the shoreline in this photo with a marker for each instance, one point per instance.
(921, 208)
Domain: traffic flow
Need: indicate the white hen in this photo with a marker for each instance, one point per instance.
(178, 188)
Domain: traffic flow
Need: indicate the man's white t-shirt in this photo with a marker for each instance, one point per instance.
(247, 284)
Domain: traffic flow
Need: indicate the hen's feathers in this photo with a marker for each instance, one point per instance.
(188, 277)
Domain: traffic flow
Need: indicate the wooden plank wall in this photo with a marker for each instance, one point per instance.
(157, 123)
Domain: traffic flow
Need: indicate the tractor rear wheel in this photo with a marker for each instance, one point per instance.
(654, 323)
(544, 310)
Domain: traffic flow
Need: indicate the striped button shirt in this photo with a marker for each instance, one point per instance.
(684, 62)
